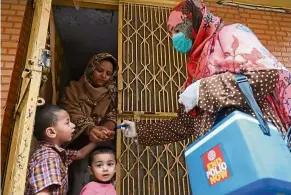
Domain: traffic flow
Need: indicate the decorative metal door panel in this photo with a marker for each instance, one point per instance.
(150, 78)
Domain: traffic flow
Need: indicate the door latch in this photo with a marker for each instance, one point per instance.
(45, 61)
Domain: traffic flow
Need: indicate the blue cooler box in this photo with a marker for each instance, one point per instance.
(236, 158)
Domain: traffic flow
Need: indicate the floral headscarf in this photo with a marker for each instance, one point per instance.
(234, 48)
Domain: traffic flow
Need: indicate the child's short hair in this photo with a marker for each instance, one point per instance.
(45, 117)
(103, 149)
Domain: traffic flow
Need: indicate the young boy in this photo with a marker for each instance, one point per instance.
(47, 169)
(102, 167)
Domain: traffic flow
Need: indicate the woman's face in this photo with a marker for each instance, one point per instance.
(102, 73)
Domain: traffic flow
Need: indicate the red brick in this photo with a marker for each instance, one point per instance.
(277, 18)
(24, 2)
(275, 28)
(3, 18)
(12, 31)
(5, 6)
(5, 37)
(4, 95)
(280, 49)
(10, 1)
(17, 25)
(14, 38)
(20, 13)
(8, 12)
(268, 32)
(258, 31)
(14, 18)
(4, 87)
(288, 24)
(281, 33)
(12, 51)
(284, 43)
(277, 38)
(286, 29)
(6, 72)
(18, 7)
(6, 24)
(267, 17)
(244, 15)
(259, 26)
(230, 16)
(286, 54)
(233, 11)
(277, 54)
(253, 11)
(9, 64)
(288, 49)
(279, 58)
(9, 44)
(221, 10)
(265, 37)
(9, 58)
(272, 42)
(273, 23)
(239, 10)
(287, 19)
(4, 50)
(255, 16)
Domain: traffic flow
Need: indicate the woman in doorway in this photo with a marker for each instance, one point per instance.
(216, 52)
(91, 103)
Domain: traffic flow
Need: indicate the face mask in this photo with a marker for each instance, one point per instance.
(181, 43)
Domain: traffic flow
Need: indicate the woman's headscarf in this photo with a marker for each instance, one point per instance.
(234, 48)
(94, 62)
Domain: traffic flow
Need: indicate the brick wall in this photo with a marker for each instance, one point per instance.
(16, 16)
(273, 29)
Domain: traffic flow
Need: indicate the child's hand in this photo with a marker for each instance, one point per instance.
(100, 133)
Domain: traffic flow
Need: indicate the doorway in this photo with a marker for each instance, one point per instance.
(83, 33)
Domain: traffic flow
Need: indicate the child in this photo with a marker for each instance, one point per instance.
(47, 169)
(102, 164)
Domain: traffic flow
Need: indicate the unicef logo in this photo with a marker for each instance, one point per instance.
(211, 155)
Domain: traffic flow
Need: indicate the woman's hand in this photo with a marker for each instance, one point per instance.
(130, 130)
(189, 98)
(100, 133)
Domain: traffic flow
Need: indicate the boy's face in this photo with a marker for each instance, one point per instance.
(103, 167)
(64, 129)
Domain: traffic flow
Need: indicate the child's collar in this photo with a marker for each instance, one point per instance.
(51, 145)
(102, 182)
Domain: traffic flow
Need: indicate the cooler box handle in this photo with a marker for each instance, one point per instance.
(246, 89)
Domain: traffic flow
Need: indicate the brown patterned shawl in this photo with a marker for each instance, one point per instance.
(89, 106)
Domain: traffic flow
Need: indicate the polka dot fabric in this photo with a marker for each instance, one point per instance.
(216, 93)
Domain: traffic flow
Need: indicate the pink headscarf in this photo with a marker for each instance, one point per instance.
(234, 48)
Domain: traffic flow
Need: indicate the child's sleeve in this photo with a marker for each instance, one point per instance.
(46, 174)
(70, 154)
